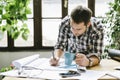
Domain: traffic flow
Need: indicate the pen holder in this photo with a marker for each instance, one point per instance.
(69, 57)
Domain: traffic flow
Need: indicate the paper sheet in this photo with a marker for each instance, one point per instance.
(34, 62)
(24, 74)
(43, 63)
(46, 74)
(115, 74)
(45, 71)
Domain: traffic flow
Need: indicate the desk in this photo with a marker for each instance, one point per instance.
(105, 64)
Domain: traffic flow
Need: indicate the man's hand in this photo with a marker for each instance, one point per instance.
(81, 60)
(56, 57)
(54, 61)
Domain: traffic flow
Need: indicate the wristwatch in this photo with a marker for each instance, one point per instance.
(90, 62)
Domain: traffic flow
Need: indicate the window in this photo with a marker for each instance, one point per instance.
(51, 8)
(50, 31)
(30, 42)
(3, 39)
(101, 7)
(51, 17)
(74, 3)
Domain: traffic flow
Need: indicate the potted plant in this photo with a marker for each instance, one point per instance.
(113, 25)
(4, 69)
(13, 12)
(112, 21)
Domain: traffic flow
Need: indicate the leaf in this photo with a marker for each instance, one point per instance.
(25, 35)
(24, 17)
(9, 21)
(3, 28)
(4, 69)
(28, 11)
(1, 9)
(15, 34)
(0, 21)
(10, 30)
(5, 16)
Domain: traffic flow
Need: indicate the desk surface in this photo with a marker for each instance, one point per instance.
(105, 64)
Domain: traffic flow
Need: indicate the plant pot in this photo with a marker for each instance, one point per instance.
(114, 54)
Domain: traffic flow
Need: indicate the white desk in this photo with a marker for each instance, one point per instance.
(105, 65)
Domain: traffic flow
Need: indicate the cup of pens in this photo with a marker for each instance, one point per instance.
(69, 57)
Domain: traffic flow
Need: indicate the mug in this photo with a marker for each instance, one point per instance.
(69, 57)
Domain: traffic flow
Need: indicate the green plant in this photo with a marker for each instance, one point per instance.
(113, 24)
(4, 69)
(13, 12)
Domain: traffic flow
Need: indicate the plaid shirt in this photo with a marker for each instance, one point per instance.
(89, 43)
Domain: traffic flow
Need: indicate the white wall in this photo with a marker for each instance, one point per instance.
(7, 57)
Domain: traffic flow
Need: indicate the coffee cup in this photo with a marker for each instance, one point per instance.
(69, 57)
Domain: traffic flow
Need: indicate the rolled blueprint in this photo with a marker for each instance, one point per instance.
(21, 62)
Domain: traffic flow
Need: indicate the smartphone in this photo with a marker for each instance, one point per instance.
(69, 74)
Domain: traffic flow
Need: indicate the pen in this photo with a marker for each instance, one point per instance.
(53, 55)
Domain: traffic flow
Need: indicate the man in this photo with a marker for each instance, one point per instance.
(82, 35)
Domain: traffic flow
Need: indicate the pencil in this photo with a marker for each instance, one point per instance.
(53, 55)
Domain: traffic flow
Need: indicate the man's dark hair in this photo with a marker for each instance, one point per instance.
(81, 14)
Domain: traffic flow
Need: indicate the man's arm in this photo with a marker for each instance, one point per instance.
(83, 60)
(93, 60)
(61, 41)
(58, 53)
